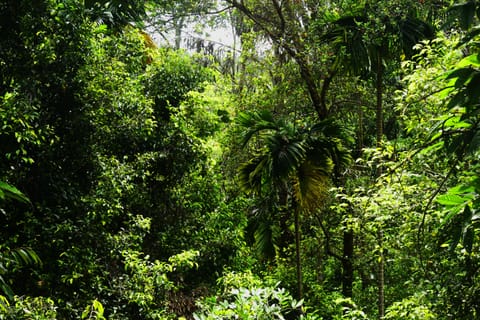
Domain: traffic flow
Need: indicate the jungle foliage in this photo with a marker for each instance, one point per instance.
(323, 167)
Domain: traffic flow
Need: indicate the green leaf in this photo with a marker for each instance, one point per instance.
(461, 75)
(471, 60)
(435, 147)
(5, 288)
(9, 192)
(458, 100)
(264, 236)
(452, 200)
(4, 304)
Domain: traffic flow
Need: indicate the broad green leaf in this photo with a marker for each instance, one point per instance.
(435, 147)
(445, 92)
(471, 60)
(452, 122)
(452, 200)
(460, 74)
(6, 288)
(4, 304)
(452, 213)
(462, 189)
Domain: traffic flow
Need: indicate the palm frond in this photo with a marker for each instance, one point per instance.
(465, 12)
(359, 54)
(10, 192)
(411, 31)
(5, 288)
(329, 139)
(12, 258)
(326, 128)
(347, 37)
(252, 173)
(23, 256)
(286, 156)
(265, 236)
(311, 185)
(255, 122)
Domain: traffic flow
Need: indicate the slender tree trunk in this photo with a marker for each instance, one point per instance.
(178, 32)
(297, 254)
(312, 89)
(379, 106)
(285, 238)
(234, 45)
(381, 278)
(360, 133)
(347, 264)
(379, 123)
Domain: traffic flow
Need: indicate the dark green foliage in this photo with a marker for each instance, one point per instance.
(466, 12)
(116, 13)
(11, 259)
(81, 112)
(356, 41)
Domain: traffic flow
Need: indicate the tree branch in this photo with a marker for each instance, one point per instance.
(278, 9)
(328, 249)
(292, 48)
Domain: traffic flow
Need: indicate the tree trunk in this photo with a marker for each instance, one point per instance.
(347, 264)
(381, 278)
(297, 255)
(379, 106)
(294, 48)
(178, 32)
(312, 89)
(379, 123)
(360, 133)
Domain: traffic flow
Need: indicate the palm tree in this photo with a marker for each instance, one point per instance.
(290, 165)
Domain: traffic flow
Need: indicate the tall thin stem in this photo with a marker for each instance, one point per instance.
(297, 253)
(381, 277)
(379, 123)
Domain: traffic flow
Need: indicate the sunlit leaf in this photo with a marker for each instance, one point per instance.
(452, 200)
(471, 60)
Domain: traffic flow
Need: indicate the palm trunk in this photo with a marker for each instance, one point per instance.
(297, 255)
(379, 123)
(379, 107)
